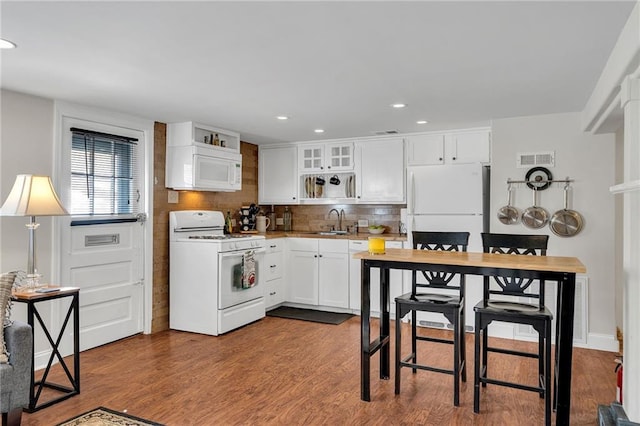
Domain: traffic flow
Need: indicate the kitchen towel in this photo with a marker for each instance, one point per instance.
(248, 269)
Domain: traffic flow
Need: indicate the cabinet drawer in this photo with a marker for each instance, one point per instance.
(274, 246)
(358, 245)
(273, 265)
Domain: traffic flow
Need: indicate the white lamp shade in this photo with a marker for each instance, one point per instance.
(32, 195)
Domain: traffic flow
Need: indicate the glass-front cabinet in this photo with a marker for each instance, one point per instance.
(326, 157)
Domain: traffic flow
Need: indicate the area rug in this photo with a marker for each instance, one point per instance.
(309, 315)
(102, 416)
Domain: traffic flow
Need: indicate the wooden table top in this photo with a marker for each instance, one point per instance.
(34, 296)
(492, 260)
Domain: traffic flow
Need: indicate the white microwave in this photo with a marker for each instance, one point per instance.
(203, 169)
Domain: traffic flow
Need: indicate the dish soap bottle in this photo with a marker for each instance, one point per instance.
(228, 225)
(287, 219)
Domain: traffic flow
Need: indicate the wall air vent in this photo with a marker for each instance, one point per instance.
(529, 159)
(385, 132)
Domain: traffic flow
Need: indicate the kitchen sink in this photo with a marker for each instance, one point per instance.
(332, 233)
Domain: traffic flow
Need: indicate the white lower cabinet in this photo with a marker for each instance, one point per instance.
(395, 278)
(318, 272)
(274, 280)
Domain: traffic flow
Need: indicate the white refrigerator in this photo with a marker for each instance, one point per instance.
(450, 198)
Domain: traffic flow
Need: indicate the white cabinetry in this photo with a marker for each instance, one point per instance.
(380, 171)
(190, 133)
(459, 147)
(326, 157)
(318, 271)
(274, 265)
(395, 278)
(193, 163)
(277, 175)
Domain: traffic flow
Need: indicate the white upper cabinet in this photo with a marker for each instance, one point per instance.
(190, 133)
(425, 149)
(325, 157)
(380, 170)
(469, 147)
(459, 147)
(277, 175)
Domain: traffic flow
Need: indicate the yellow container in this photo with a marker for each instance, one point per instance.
(376, 245)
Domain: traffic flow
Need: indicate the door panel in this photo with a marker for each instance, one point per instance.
(105, 262)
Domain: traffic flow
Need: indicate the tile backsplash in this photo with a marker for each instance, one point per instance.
(314, 218)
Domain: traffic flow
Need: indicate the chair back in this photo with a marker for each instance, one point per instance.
(445, 241)
(535, 245)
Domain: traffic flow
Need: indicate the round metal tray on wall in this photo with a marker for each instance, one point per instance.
(538, 178)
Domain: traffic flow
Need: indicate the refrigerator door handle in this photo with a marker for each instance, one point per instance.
(412, 193)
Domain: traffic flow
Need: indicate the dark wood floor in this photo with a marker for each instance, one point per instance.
(287, 372)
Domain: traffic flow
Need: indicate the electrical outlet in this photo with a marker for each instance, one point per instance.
(363, 223)
(279, 221)
(173, 197)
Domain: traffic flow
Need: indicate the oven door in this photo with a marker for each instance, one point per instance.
(231, 289)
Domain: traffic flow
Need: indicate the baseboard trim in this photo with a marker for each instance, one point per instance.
(601, 342)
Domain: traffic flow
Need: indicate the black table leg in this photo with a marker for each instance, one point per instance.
(365, 331)
(384, 324)
(564, 348)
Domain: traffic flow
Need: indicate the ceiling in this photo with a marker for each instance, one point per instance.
(331, 65)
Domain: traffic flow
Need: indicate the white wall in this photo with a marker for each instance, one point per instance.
(590, 161)
(26, 147)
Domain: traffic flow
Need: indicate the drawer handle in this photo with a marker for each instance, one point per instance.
(273, 266)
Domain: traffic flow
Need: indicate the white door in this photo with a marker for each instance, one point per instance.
(103, 253)
(277, 175)
(445, 189)
(334, 279)
(303, 276)
(381, 171)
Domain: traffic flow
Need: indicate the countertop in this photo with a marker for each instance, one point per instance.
(358, 236)
(489, 260)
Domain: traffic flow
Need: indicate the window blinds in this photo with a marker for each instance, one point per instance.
(104, 174)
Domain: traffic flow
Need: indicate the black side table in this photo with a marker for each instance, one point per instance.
(32, 299)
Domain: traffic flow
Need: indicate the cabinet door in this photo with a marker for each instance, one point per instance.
(303, 277)
(334, 279)
(339, 156)
(425, 150)
(277, 175)
(311, 158)
(395, 278)
(274, 293)
(469, 147)
(380, 170)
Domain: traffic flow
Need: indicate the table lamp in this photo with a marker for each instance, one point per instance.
(32, 196)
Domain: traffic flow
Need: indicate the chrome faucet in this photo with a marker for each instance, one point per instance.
(338, 221)
(341, 219)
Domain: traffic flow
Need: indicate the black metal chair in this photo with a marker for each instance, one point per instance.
(513, 309)
(429, 294)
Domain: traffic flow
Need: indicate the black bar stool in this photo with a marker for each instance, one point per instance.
(449, 303)
(495, 307)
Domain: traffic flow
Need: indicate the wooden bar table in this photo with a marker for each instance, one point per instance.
(549, 268)
(31, 299)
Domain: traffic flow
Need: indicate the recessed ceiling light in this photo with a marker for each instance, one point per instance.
(282, 117)
(398, 105)
(422, 122)
(319, 130)
(6, 44)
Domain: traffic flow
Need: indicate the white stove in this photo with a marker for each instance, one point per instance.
(209, 289)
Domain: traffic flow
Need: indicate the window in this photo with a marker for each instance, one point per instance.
(104, 177)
